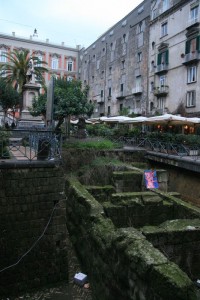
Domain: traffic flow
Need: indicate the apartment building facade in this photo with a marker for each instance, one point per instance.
(174, 55)
(62, 61)
(115, 66)
(147, 63)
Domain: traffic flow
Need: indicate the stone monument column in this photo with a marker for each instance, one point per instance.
(30, 91)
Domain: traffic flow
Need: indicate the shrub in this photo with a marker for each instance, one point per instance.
(96, 144)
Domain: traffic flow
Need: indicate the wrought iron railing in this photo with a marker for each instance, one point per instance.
(30, 145)
(170, 148)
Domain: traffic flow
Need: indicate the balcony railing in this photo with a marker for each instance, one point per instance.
(161, 68)
(162, 90)
(100, 100)
(192, 21)
(30, 145)
(137, 90)
(121, 95)
(191, 57)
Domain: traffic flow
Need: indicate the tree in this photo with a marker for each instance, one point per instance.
(16, 68)
(70, 99)
(9, 97)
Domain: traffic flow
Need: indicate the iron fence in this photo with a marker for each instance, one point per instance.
(30, 145)
(170, 148)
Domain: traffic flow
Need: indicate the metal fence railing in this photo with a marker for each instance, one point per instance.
(178, 149)
(30, 145)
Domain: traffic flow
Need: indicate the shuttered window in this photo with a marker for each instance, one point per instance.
(192, 45)
(163, 58)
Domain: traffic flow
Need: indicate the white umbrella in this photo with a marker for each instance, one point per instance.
(136, 120)
(116, 119)
(167, 119)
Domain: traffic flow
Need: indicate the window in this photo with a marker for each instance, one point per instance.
(191, 74)
(70, 66)
(194, 13)
(110, 70)
(2, 57)
(161, 103)
(109, 110)
(123, 64)
(121, 87)
(164, 29)
(192, 45)
(109, 92)
(54, 63)
(124, 38)
(40, 58)
(121, 107)
(162, 80)
(190, 99)
(101, 93)
(140, 27)
(3, 74)
(165, 5)
(163, 58)
(138, 83)
(139, 56)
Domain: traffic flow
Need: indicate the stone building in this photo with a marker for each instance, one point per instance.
(62, 60)
(174, 45)
(145, 64)
(115, 66)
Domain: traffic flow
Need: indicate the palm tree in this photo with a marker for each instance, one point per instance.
(16, 68)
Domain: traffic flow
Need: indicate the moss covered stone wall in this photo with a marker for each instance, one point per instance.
(121, 263)
(32, 227)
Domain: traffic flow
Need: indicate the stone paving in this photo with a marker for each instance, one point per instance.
(61, 291)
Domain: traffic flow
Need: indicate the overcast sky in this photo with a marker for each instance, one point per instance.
(74, 22)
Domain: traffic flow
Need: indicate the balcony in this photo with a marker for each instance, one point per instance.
(162, 90)
(100, 100)
(193, 21)
(120, 96)
(191, 57)
(162, 68)
(137, 90)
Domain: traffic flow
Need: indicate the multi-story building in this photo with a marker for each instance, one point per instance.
(61, 60)
(174, 55)
(115, 66)
(146, 63)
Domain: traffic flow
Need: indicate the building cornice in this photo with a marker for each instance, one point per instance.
(32, 41)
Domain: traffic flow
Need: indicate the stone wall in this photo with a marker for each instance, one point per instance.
(32, 225)
(183, 181)
(121, 262)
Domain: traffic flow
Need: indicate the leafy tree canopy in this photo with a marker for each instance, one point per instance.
(17, 65)
(70, 99)
(9, 97)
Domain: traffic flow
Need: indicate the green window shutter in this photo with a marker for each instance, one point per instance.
(187, 47)
(167, 57)
(198, 43)
(159, 59)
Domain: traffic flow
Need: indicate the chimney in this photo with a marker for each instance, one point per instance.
(47, 40)
(63, 44)
(13, 33)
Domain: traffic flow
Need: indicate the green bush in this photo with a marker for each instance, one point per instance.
(99, 130)
(96, 144)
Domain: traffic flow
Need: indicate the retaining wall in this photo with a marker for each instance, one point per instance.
(121, 262)
(33, 242)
